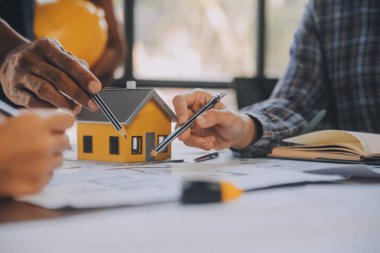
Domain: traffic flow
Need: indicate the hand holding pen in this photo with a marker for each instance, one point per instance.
(39, 74)
(210, 104)
(32, 145)
(218, 128)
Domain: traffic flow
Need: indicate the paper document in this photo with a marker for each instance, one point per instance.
(82, 184)
(355, 172)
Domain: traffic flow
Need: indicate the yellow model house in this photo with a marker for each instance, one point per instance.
(145, 118)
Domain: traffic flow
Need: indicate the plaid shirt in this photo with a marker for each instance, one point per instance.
(335, 65)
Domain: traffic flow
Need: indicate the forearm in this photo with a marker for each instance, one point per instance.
(301, 92)
(10, 39)
(114, 53)
(115, 38)
(278, 119)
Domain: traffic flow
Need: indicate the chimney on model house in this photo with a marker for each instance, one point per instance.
(131, 85)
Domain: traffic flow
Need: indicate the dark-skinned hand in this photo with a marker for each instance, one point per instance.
(41, 74)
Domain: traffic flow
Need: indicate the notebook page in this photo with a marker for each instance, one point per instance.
(327, 137)
(369, 141)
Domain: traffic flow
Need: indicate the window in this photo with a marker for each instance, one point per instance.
(160, 139)
(87, 144)
(197, 43)
(194, 39)
(114, 145)
(283, 18)
(136, 145)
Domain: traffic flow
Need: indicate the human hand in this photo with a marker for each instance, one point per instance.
(35, 74)
(31, 147)
(218, 128)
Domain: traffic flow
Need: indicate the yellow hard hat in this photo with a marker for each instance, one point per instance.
(78, 25)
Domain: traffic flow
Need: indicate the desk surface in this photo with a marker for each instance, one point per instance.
(314, 218)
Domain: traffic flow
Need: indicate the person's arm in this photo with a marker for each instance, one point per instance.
(35, 74)
(298, 96)
(9, 40)
(31, 147)
(114, 53)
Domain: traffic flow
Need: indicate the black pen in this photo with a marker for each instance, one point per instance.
(188, 123)
(7, 109)
(206, 157)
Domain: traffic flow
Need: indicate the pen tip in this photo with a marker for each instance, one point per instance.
(153, 153)
(123, 133)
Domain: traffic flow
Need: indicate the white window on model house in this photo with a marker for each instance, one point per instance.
(136, 145)
(160, 139)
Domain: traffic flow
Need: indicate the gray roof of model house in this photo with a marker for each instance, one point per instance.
(125, 105)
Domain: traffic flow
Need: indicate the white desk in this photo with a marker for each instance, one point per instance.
(315, 218)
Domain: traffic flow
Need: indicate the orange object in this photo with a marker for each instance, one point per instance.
(79, 25)
(229, 191)
(200, 192)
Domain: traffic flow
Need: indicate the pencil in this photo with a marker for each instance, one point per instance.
(99, 101)
(7, 109)
(109, 115)
(187, 124)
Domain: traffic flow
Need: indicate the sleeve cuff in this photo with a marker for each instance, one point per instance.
(262, 146)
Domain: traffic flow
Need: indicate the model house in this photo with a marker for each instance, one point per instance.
(145, 117)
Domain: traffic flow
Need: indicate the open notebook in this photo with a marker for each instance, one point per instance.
(332, 144)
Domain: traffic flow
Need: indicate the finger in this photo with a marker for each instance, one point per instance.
(205, 143)
(46, 92)
(60, 143)
(185, 135)
(181, 108)
(57, 161)
(61, 81)
(203, 98)
(59, 121)
(81, 61)
(68, 64)
(214, 117)
(30, 100)
(186, 104)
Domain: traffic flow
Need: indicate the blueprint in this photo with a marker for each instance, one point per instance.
(85, 184)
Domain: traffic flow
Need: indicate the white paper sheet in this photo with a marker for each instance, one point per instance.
(82, 184)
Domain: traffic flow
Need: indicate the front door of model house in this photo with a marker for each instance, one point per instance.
(149, 145)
